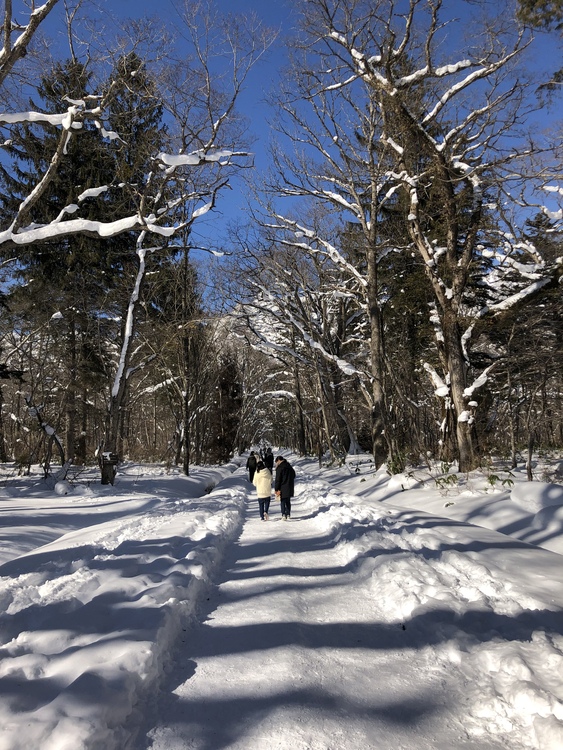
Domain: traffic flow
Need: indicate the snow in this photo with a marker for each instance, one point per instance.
(196, 158)
(92, 193)
(32, 234)
(441, 389)
(451, 69)
(514, 299)
(63, 118)
(422, 610)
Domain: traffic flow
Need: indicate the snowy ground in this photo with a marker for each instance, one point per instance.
(387, 613)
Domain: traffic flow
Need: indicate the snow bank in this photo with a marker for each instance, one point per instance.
(533, 496)
(89, 621)
(403, 482)
(488, 625)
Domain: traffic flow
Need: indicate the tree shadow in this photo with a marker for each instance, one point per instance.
(217, 723)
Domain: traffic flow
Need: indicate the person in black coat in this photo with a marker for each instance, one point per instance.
(269, 459)
(284, 485)
(251, 466)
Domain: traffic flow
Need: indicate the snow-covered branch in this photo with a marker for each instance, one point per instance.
(13, 50)
(311, 242)
(35, 234)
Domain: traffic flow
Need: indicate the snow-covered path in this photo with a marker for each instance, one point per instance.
(341, 629)
(276, 665)
(161, 614)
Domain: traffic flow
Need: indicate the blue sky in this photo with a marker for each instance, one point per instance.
(275, 14)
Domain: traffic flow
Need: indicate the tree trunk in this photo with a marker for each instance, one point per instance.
(531, 442)
(322, 405)
(70, 437)
(380, 448)
(3, 454)
(301, 441)
(52, 437)
(456, 367)
(186, 419)
(512, 423)
(119, 388)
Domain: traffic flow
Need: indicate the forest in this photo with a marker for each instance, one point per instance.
(395, 287)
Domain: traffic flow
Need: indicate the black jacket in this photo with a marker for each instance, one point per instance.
(285, 476)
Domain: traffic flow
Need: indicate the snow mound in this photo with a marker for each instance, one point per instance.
(63, 488)
(403, 482)
(550, 521)
(534, 496)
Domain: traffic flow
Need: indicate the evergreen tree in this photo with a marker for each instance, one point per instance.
(542, 13)
(70, 275)
(224, 417)
(87, 278)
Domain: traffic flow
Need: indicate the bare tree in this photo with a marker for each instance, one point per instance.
(296, 310)
(17, 35)
(202, 102)
(387, 112)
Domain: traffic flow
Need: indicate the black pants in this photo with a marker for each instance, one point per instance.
(285, 506)
(264, 503)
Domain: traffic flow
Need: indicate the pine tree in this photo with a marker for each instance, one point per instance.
(86, 278)
(542, 13)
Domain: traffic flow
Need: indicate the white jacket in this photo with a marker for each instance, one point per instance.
(263, 483)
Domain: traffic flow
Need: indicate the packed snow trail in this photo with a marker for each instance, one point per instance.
(353, 627)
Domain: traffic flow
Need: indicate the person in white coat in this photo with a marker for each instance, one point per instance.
(262, 480)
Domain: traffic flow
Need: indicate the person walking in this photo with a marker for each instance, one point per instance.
(269, 459)
(251, 466)
(284, 485)
(263, 483)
